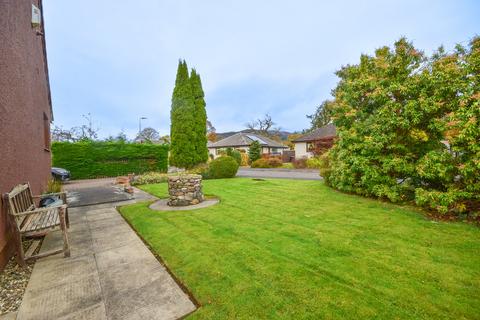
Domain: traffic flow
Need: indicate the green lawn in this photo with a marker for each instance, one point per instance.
(291, 249)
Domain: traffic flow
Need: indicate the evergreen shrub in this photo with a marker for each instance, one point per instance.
(222, 167)
(235, 154)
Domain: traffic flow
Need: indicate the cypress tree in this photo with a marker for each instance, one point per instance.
(182, 128)
(255, 151)
(200, 118)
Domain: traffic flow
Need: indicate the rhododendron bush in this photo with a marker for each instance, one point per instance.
(409, 127)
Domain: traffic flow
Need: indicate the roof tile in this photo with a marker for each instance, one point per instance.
(323, 132)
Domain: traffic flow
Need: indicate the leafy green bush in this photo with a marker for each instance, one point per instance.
(300, 163)
(409, 128)
(245, 159)
(325, 169)
(288, 165)
(201, 169)
(149, 178)
(275, 162)
(235, 154)
(313, 163)
(260, 163)
(267, 163)
(93, 159)
(222, 167)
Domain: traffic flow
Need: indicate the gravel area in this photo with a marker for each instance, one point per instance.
(13, 282)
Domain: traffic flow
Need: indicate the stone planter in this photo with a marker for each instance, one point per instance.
(185, 190)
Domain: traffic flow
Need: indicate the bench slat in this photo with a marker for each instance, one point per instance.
(50, 220)
(42, 220)
(27, 222)
(32, 249)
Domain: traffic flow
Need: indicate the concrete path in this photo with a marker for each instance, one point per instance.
(304, 174)
(111, 274)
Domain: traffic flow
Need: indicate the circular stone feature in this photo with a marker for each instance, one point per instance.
(185, 190)
(161, 205)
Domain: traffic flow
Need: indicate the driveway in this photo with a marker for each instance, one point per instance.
(303, 174)
(98, 191)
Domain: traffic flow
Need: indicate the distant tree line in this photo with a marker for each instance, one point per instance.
(89, 133)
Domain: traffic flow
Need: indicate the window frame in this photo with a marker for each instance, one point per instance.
(46, 133)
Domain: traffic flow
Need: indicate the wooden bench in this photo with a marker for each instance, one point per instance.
(26, 220)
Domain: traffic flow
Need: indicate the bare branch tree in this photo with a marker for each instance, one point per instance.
(264, 126)
(87, 131)
(148, 134)
(84, 132)
(63, 135)
(210, 127)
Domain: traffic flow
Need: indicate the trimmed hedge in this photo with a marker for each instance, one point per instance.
(95, 159)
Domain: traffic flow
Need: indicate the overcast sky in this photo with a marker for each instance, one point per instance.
(117, 59)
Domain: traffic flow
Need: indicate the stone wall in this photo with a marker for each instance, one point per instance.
(185, 190)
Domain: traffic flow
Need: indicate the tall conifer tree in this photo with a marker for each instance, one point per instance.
(182, 129)
(200, 117)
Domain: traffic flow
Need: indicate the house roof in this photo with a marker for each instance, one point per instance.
(324, 132)
(244, 139)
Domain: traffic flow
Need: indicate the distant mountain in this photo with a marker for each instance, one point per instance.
(223, 135)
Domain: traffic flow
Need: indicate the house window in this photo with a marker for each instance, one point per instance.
(310, 146)
(46, 132)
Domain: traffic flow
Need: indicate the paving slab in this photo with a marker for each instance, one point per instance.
(162, 205)
(60, 301)
(52, 273)
(8, 316)
(111, 274)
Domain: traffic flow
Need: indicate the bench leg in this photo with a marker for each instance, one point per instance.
(64, 199)
(66, 218)
(63, 226)
(17, 236)
(20, 256)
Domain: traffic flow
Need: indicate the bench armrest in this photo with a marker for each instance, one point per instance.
(39, 210)
(63, 193)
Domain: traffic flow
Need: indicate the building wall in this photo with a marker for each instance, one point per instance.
(214, 151)
(25, 112)
(301, 150)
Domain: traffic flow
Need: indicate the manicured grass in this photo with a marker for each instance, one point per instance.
(291, 249)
